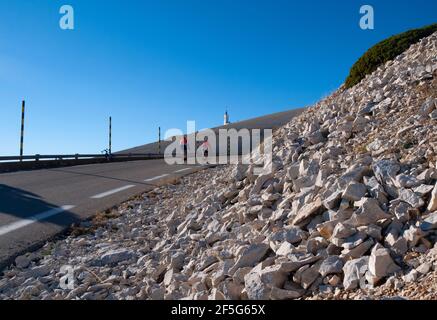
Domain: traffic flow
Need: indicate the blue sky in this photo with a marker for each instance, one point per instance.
(160, 63)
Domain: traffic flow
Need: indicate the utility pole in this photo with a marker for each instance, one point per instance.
(23, 105)
(110, 135)
(159, 140)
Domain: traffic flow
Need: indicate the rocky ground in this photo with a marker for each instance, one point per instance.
(349, 212)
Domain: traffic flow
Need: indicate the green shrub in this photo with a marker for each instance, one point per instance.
(384, 51)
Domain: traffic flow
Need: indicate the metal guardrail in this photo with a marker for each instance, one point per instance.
(38, 157)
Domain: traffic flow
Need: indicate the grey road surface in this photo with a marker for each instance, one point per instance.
(271, 121)
(37, 205)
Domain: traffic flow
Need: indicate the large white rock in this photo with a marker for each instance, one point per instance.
(354, 271)
(369, 212)
(250, 256)
(380, 262)
(332, 264)
(307, 211)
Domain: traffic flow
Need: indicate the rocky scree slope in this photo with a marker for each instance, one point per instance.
(350, 210)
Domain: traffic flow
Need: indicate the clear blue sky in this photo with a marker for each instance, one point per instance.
(160, 63)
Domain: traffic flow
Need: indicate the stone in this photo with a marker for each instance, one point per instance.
(354, 191)
(284, 249)
(290, 234)
(411, 198)
(380, 262)
(239, 172)
(216, 295)
(354, 270)
(372, 230)
(352, 174)
(406, 181)
(273, 276)
(385, 170)
(353, 241)
(308, 211)
(304, 182)
(367, 109)
(293, 171)
(423, 189)
(430, 222)
(334, 280)
(369, 212)
(22, 262)
(168, 277)
(343, 231)
(251, 255)
(259, 282)
(424, 268)
(297, 260)
(177, 260)
(332, 264)
(402, 211)
(376, 190)
(411, 276)
(358, 251)
(427, 175)
(308, 168)
(316, 244)
(428, 106)
(333, 200)
(116, 256)
(400, 246)
(413, 234)
(432, 205)
(207, 261)
(286, 294)
(309, 276)
(259, 183)
(39, 271)
(316, 137)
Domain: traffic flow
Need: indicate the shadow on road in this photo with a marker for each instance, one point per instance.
(22, 204)
(105, 177)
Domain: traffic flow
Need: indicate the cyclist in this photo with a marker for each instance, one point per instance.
(184, 146)
(205, 147)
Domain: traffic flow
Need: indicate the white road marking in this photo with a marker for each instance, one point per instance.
(25, 222)
(182, 170)
(157, 177)
(110, 192)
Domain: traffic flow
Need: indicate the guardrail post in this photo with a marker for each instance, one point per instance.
(76, 157)
(110, 135)
(159, 140)
(23, 105)
(37, 157)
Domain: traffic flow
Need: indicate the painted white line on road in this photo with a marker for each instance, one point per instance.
(25, 222)
(108, 193)
(157, 177)
(182, 170)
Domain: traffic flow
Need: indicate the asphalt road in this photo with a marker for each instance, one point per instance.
(271, 121)
(37, 205)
